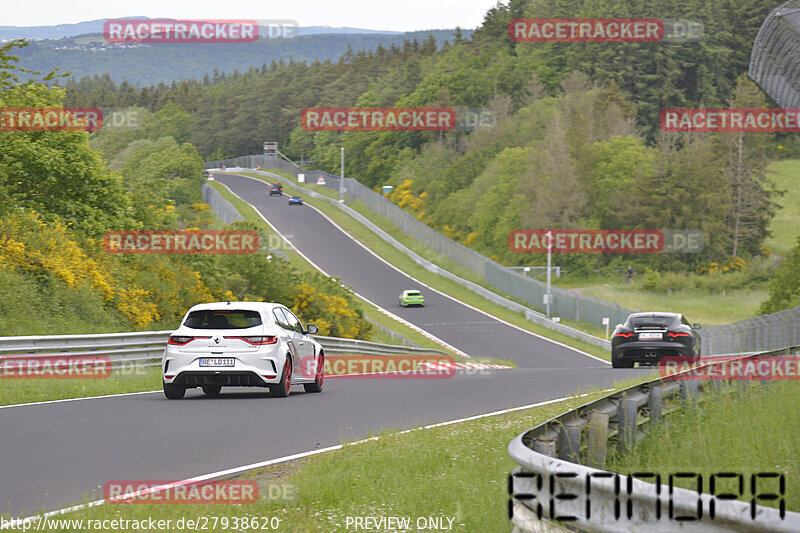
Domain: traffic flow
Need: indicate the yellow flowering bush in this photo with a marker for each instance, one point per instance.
(331, 313)
(733, 265)
(403, 197)
(30, 244)
(137, 306)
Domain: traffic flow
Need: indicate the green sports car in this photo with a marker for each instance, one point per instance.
(412, 298)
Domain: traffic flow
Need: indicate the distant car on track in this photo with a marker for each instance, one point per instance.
(645, 338)
(412, 297)
(241, 344)
(276, 189)
(295, 200)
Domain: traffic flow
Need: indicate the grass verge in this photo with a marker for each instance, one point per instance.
(744, 431)
(133, 379)
(445, 285)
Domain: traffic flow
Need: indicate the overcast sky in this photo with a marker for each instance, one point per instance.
(398, 15)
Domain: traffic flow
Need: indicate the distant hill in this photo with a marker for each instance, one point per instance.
(149, 64)
(61, 31)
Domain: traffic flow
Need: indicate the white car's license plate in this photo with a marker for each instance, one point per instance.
(650, 336)
(216, 361)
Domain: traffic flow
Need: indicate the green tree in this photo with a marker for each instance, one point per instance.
(784, 290)
(55, 172)
(745, 167)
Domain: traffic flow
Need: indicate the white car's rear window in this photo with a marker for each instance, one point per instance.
(223, 319)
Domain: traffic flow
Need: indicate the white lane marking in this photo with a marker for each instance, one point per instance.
(77, 399)
(17, 522)
(447, 295)
(406, 323)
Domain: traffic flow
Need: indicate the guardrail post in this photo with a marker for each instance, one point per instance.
(569, 443)
(689, 390)
(655, 403)
(545, 447)
(626, 424)
(597, 440)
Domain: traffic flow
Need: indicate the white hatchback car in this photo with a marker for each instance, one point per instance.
(242, 344)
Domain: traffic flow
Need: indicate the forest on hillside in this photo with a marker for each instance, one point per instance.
(576, 142)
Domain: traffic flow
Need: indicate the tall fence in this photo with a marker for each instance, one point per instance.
(775, 59)
(565, 304)
(767, 332)
(224, 209)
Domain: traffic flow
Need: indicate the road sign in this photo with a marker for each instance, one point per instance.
(321, 180)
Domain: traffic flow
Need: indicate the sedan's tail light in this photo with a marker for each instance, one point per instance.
(674, 334)
(256, 341)
(177, 340)
(625, 335)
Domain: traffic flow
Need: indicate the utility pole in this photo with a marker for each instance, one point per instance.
(341, 179)
(549, 235)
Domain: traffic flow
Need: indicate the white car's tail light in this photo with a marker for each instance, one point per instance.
(257, 341)
(178, 340)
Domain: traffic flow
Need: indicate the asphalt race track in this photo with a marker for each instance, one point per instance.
(337, 254)
(53, 455)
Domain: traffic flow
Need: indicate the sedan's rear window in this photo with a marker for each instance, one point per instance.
(652, 321)
(223, 319)
(412, 293)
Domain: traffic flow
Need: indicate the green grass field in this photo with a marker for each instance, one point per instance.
(703, 308)
(785, 227)
(745, 433)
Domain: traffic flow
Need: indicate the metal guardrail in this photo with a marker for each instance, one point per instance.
(121, 348)
(550, 481)
(530, 314)
(146, 348)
